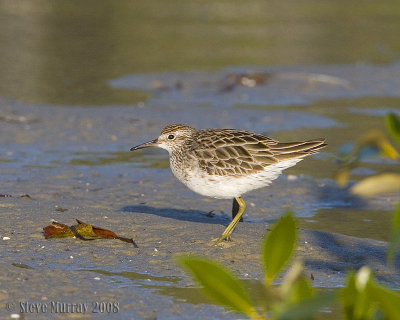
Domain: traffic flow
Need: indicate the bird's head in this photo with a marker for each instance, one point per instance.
(171, 138)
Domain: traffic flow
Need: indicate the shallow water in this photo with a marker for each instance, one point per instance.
(66, 52)
(82, 82)
(168, 286)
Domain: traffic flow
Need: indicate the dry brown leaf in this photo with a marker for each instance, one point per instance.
(81, 231)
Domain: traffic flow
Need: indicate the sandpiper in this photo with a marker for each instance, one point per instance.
(227, 163)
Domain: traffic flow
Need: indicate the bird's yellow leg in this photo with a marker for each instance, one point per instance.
(226, 235)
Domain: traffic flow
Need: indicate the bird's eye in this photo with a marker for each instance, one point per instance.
(171, 137)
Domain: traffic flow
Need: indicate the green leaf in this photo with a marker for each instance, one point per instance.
(371, 186)
(388, 301)
(279, 246)
(301, 290)
(295, 285)
(393, 125)
(349, 296)
(395, 236)
(219, 284)
(356, 300)
(306, 308)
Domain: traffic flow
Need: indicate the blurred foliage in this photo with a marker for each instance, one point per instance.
(220, 285)
(376, 184)
(370, 144)
(361, 298)
(294, 299)
(393, 124)
(395, 235)
(279, 247)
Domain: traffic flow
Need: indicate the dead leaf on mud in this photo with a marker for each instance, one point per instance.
(82, 231)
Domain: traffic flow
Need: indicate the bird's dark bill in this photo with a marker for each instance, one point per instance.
(153, 143)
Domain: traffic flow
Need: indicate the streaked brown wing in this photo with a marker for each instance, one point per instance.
(233, 152)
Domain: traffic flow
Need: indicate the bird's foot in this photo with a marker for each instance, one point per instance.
(222, 238)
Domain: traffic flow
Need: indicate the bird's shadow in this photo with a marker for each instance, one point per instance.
(179, 214)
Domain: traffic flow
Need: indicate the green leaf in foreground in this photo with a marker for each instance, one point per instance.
(364, 298)
(349, 296)
(388, 301)
(393, 125)
(356, 300)
(307, 308)
(395, 236)
(219, 284)
(295, 286)
(300, 290)
(279, 246)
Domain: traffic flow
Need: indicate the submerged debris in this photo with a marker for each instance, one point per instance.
(14, 118)
(59, 209)
(245, 79)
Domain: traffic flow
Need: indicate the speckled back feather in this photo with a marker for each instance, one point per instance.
(238, 153)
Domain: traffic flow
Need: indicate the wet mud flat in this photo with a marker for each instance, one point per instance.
(66, 163)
